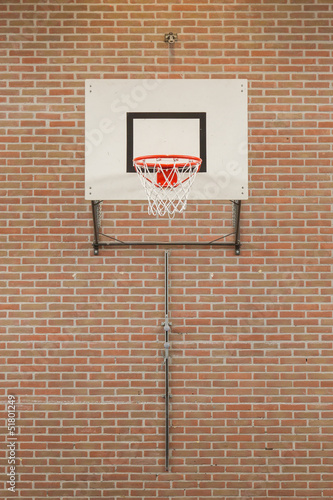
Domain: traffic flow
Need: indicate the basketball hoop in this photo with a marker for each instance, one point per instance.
(167, 180)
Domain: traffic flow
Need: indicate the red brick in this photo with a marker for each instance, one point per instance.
(82, 336)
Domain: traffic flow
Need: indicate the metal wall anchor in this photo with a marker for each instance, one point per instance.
(170, 37)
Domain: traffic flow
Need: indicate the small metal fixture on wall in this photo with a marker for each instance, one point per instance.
(170, 37)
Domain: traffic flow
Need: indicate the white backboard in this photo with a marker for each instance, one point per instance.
(129, 118)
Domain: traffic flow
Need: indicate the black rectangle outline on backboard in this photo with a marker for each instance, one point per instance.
(172, 115)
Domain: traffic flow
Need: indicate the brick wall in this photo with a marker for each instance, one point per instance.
(81, 336)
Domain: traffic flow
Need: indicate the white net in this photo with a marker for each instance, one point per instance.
(167, 181)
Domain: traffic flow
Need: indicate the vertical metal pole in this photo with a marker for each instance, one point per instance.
(94, 206)
(237, 229)
(166, 360)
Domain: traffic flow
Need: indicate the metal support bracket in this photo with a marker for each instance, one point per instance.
(236, 207)
(97, 244)
(96, 213)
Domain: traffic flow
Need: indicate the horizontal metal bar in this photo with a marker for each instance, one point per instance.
(166, 243)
